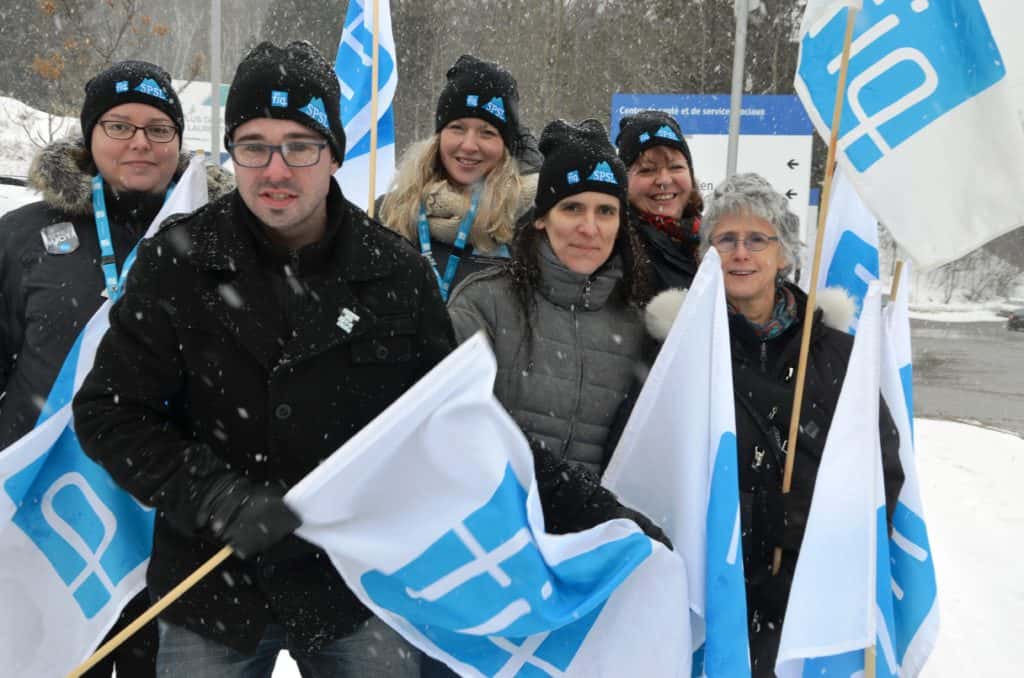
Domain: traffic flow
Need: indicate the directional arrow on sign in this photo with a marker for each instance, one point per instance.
(791, 194)
(792, 164)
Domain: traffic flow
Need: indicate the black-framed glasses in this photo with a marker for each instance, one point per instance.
(755, 242)
(294, 153)
(122, 131)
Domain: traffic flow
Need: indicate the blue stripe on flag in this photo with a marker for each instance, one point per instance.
(914, 575)
(353, 66)
(726, 651)
(907, 378)
(853, 265)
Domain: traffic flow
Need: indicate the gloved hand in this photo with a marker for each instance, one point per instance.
(249, 517)
(645, 524)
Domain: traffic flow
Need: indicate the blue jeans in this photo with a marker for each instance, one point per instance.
(374, 649)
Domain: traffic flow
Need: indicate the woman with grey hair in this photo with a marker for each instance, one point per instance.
(756, 235)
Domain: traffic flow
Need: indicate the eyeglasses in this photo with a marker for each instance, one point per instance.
(123, 131)
(294, 153)
(755, 242)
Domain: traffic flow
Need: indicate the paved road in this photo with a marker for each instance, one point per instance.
(969, 372)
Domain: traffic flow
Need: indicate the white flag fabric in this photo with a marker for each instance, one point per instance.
(929, 127)
(915, 599)
(676, 462)
(840, 602)
(73, 545)
(849, 250)
(353, 65)
(431, 515)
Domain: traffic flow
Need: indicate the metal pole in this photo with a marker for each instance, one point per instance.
(742, 8)
(215, 82)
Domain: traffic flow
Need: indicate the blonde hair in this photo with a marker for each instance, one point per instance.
(420, 173)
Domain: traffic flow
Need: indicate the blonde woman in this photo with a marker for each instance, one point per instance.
(457, 194)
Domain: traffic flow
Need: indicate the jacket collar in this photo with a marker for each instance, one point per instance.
(62, 172)
(672, 250)
(568, 289)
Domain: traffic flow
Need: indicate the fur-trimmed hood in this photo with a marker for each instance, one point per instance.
(62, 172)
(837, 310)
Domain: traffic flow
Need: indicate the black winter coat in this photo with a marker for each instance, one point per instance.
(215, 360)
(763, 375)
(46, 299)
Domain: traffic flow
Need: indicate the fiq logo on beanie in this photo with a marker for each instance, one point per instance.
(496, 106)
(120, 86)
(572, 177)
(279, 99)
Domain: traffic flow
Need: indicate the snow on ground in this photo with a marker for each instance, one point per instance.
(975, 521)
(958, 316)
(23, 131)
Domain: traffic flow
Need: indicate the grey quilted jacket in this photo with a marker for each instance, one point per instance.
(565, 387)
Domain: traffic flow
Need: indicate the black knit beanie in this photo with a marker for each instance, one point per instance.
(290, 83)
(481, 89)
(129, 82)
(647, 129)
(577, 158)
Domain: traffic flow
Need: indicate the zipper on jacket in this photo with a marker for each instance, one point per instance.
(579, 377)
(764, 357)
(586, 294)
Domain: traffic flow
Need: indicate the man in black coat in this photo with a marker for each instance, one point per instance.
(258, 335)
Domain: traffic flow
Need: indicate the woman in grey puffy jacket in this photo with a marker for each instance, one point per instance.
(565, 322)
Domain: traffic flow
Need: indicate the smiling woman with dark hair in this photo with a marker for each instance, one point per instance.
(664, 202)
(565, 322)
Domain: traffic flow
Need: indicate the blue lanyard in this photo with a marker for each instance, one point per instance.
(114, 282)
(445, 283)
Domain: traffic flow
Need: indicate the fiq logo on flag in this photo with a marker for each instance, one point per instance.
(911, 62)
(487, 578)
(86, 527)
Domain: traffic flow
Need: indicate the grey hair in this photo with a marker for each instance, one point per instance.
(751, 195)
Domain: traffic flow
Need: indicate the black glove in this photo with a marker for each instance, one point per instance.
(645, 524)
(249, 517)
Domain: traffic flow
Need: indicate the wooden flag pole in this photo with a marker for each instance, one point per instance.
(871, 652)
(150, 614)
(896, 276)
(812, 295)
(374, 70)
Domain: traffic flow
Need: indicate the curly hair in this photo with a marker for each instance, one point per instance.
(751, 194)
(420, 173)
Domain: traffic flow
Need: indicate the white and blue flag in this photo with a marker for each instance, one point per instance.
(73, 545)
(914, 589)
(431, 514)
(840, 602)
(677, 463)
(353, 66)
(849, 250)
(929, 128)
